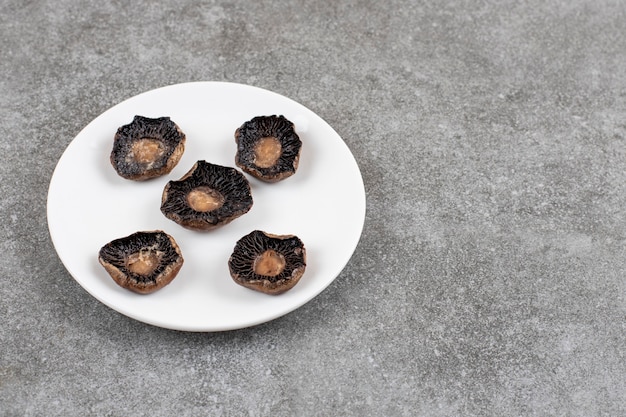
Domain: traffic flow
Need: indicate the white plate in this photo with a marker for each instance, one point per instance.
(323, 203)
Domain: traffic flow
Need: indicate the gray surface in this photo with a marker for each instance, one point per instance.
(490, 278)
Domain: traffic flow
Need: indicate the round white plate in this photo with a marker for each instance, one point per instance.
(323, 204)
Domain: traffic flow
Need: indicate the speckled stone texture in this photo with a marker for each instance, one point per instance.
(490, 279)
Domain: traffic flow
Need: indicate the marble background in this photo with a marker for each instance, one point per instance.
(490, 278)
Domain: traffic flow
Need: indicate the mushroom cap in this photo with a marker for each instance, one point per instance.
(147, 148)
(285, 254)
(256, 132)
(142, 262)
(216, 182)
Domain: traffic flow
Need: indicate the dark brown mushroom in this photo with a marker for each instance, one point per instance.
(142, 262)
(268, 148)
(268, 263)
(147, 148)
(207, 196)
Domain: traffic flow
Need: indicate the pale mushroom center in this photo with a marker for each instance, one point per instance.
(147, 150)
(267, 151)
(204, 199)
(270, 263)
(143, 262)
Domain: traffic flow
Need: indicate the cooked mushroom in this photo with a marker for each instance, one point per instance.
(268, 148)
(142, 262)
(268, 263)
(207, 196)
(147, 148)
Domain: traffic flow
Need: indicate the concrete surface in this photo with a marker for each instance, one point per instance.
(490, 279)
